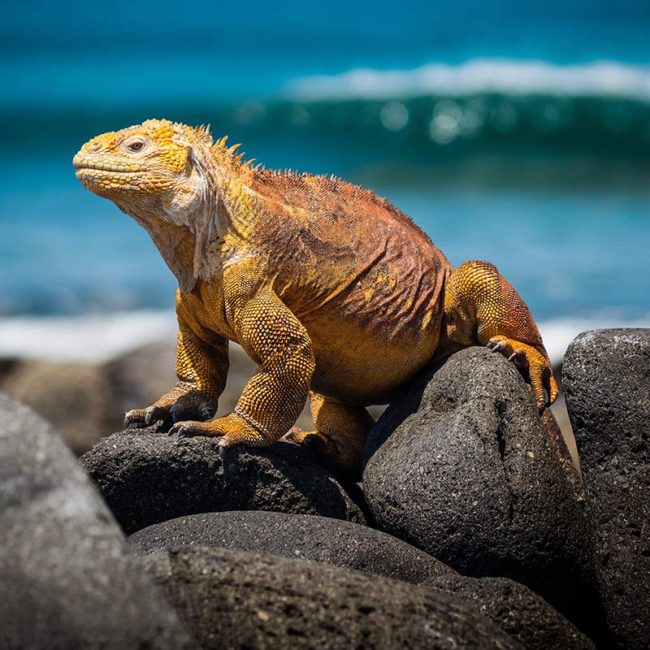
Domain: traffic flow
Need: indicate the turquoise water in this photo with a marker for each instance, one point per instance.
(518, 133)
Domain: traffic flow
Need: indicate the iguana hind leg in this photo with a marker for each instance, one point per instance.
(340, 435)
(481, 306)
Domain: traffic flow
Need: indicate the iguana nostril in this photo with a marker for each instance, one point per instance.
(95, 145)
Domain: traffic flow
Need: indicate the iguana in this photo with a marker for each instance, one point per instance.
(331, 290)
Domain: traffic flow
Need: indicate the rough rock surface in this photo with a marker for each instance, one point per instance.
(510, 605)
(300, 537)
(148, 477)
(258, 601)
(606, 376)
(469, 475)
(66, 580)
(517, 610)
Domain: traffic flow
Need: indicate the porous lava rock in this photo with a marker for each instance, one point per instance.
(66, 580)
(147, 477)
(606, 376)
(246, 600)
(516, 609)
(510, 605)
(300, 537)
(462, 467)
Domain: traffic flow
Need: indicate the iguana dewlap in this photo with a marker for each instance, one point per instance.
(330, 289)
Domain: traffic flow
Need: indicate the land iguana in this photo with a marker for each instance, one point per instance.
(331, 290)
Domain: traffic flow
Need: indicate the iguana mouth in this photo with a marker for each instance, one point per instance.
(83, 164)
(113, 169)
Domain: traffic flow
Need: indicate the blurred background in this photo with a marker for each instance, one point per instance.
(517, 132)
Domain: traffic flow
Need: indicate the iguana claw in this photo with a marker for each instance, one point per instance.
(496, 346)
(139, 418)
(532, 363)
(179, 404)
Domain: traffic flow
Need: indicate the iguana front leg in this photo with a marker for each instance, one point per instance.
(201, 368)
(274, 396)
(481, 306)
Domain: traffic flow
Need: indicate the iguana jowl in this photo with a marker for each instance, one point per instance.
(330, 289)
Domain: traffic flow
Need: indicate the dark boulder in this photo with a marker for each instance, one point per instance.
(66, 580)
(516, 609)
(148, 477)
(606, 377)
(246, 600)
(462, 467)
(510, 605)
(299, 537)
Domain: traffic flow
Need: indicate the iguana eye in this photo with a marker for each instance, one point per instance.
(136, 145)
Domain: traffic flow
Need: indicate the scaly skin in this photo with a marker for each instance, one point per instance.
(329, 288)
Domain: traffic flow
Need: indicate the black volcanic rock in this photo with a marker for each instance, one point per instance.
(299, 537)
(148, 477)
(606, 377)
(66, 580)
(246, 600)
(510, 605)
(516, 609)
(462, 467)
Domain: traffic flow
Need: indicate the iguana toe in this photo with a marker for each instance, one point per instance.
(496, 346)
(232, 429)
(134, 419)
(175, 406)
(312, 440)
(188, 429)
(140, 418)
(534, 365)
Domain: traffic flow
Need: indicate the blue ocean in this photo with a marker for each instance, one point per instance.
(516, 132)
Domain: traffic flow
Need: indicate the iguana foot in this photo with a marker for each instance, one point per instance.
(325, 447)
(231, 429)
(341, 432)
(317, 442)
(529, 360)
(179, 404)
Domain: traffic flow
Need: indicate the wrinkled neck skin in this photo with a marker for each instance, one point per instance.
(189, 228)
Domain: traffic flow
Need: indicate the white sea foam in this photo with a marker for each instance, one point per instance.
(97, 338)
(94, 338)
(511, 77)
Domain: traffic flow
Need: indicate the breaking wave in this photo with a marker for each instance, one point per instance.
(484, 107)
(479, 76)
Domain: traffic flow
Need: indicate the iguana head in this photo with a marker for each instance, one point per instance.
(164, 175)
(156, 169)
